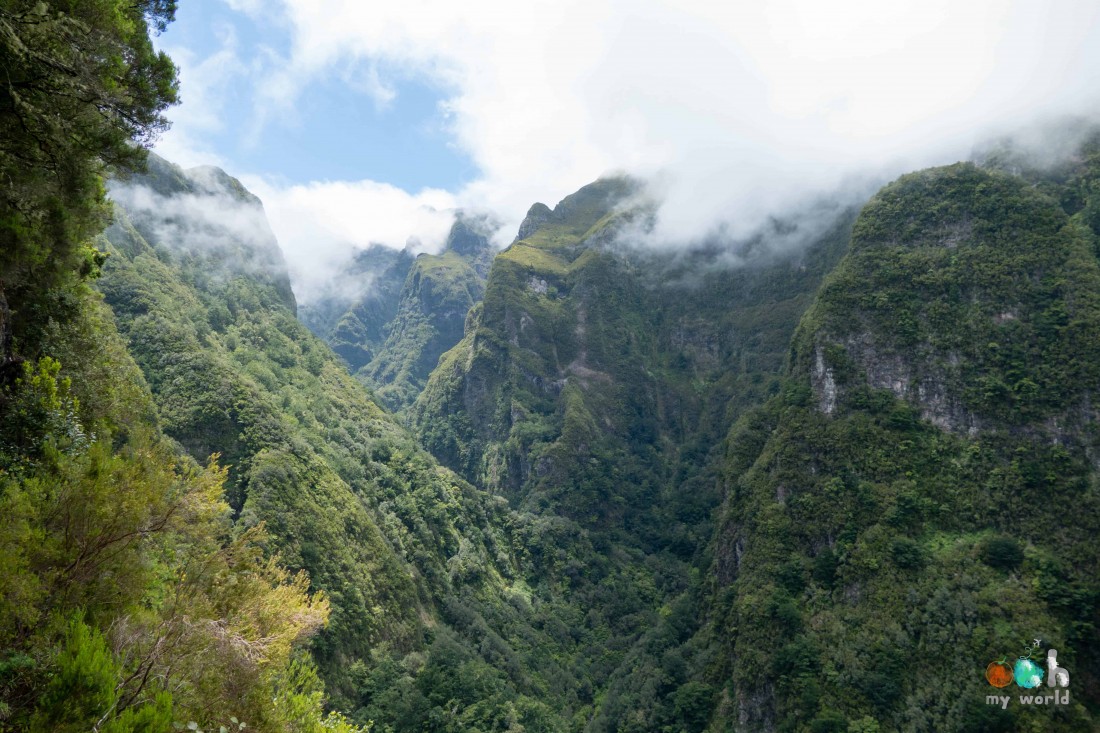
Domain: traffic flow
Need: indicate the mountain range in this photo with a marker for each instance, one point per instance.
(813, 479)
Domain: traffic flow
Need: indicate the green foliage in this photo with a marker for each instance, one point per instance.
(907, 554)
(128, 598)
(402, 549)
(355, 328)
(980, 286)
(410, 311)
(83, 686)
(1001, 552)
(82, 83)
(180, 614)
(675, 529)
(589, 388)
(83, 690)
(38, 407)
(829, 722)
(825, 565)
(431, 315)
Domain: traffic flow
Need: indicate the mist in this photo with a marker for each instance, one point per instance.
(200, 216)
(195, 222)
(322, 226)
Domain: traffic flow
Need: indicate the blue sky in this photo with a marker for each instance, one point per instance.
(335, 131)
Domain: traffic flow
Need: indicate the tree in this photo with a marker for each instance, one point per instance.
(82, 91)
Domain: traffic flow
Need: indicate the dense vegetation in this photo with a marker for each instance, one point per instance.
(129, 600)
(439, 291)
(406, 311)
(592, 383)
(814, 480)
(408, 555)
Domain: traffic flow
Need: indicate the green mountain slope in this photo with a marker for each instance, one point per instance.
(921, 498)
(822, 479)
(128, 599)
(584, 352)
(353, 318)
(391, 315)
(590, 386)
(410, 556)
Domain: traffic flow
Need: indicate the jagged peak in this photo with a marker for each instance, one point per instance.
(537, 215)
(471, 233)
(588, 204)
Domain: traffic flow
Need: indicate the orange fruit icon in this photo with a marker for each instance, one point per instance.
(999, 674)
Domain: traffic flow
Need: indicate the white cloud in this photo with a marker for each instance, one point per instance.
(321, 223)
(204, 85)
(738, 102)
(252, 8)
(741, 107)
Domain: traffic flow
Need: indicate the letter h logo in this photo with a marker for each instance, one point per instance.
(1056, 676)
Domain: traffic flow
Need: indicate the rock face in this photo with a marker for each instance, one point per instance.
(470, 237)
(574, 315)
(537, 215)
(962, 305)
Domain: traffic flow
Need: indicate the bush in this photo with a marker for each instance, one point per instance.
(1003, 553)
(825, 568)
(907, 554)
(829, 721)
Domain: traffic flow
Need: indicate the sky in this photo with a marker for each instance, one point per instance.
(370, 122)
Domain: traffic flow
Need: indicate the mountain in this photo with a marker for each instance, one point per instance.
(408, 555)
(784, 476)
(438, 292)
(590, 350)
(352, 318)
(920, 498)
(590, 388)
(816, 478)
(408, 310)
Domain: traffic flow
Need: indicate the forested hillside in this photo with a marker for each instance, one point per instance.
(409, 555)
(923, 490)
(591, 386)
(129, 599)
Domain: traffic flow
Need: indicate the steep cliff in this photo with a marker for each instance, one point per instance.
(391, 314)
(352, 316)
(590, 386)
